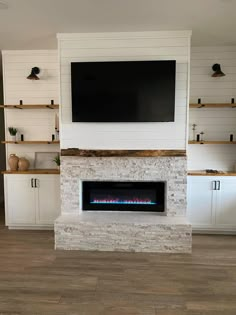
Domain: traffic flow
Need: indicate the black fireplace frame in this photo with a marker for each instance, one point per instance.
(160, 188)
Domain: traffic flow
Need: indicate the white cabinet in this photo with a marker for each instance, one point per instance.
(31, 200)
(200, 201)
(226, 203)
(20, 201)
(48, 199)
(212, 203)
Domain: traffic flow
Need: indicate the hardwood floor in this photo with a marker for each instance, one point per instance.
(35, 279)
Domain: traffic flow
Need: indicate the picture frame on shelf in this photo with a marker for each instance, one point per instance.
(44, 160)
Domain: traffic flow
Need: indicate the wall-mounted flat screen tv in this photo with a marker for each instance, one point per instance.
(123, 91)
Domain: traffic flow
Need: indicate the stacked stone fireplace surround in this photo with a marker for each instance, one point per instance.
(119, 231)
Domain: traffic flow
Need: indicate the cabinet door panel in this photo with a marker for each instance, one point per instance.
(226, 203)
(20, 200)
(48, 198)
(201, 199)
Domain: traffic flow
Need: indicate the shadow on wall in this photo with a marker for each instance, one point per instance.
(2, 136)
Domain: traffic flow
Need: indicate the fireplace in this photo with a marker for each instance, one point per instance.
(136, 203)
(123, 196)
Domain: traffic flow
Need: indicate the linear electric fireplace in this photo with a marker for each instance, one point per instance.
(123, 196)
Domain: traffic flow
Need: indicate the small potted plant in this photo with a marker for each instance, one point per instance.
(13, 132)
(57, 160)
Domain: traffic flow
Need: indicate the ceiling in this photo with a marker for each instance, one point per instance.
(33, 24)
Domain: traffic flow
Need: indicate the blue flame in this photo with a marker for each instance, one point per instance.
(124, 202)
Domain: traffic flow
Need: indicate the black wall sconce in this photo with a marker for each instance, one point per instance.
(33, 74)
(217, 71)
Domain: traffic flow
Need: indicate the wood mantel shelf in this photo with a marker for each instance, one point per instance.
(37, 106)
(212, 142)
(120, 153)
(33, 171)
(204, 173)
(212, 105)
(31, 142)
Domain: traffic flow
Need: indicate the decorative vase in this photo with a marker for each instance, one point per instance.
(13, 162)
(23, 164)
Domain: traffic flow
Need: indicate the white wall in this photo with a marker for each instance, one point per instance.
(2, 149)
(35, 124)
(125, 46)
(216, 123)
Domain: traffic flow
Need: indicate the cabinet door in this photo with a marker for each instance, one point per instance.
(201, 201)
(226, 203)
(20, 201)
(48, 198)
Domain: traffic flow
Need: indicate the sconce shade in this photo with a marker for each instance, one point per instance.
(33, 74)
(217, 71)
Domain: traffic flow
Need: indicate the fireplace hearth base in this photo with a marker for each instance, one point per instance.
(144, 232)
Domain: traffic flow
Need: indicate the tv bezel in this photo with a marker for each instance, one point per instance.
(76, 120)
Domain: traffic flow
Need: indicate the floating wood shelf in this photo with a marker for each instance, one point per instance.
(33, 171)
(119, 153)
(30, 142)
(54, 106)
(212, 142)
(204, 173)
(211, 105)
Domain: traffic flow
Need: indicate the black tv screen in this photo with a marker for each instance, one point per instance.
(123, 91)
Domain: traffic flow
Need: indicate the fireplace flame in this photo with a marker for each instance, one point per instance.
(120, 201)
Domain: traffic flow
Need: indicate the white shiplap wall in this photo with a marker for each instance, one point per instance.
(125, 46)
(2, 151)
(37, 124)
(217, 124)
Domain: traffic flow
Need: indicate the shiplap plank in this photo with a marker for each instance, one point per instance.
(212, 85)
(199, 77)
(29, 58)
(212, 49)
(12, 67)
(208, 71)
(120, 43)
(228, 63)
(212, 113)
(195, 92)
(127, 57)
(211, 56)
(150, 51)
(92, 143)
(45, 74)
